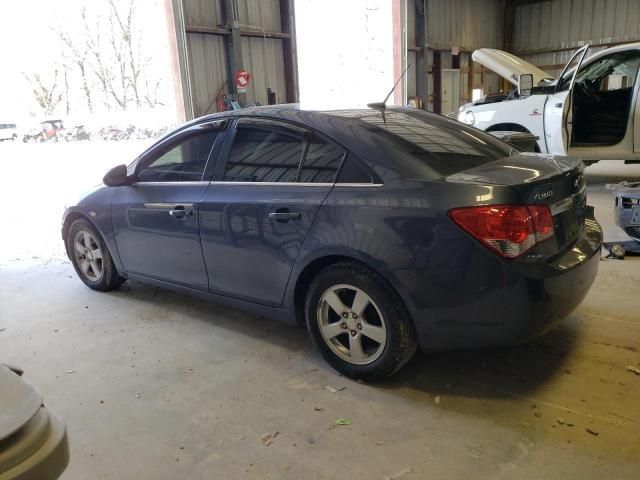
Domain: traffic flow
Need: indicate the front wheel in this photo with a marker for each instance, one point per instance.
(91, 258)
(358, 322)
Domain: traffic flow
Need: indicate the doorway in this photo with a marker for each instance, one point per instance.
(450, 92)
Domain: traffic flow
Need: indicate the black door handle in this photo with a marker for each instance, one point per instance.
(284, 215)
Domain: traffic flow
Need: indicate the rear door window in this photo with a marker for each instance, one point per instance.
(322, 161)
(264, 153)
(444, 145)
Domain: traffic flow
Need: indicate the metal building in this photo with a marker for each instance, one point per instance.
(217, 38)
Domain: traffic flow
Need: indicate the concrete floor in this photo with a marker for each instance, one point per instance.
(157, 385)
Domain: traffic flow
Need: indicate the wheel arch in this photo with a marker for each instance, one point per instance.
(512, 127)
(79, 215)
(314, 267)
(68, 221)
(507, 127)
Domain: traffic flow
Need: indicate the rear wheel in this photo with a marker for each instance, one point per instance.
(358, 323)
(91, 258)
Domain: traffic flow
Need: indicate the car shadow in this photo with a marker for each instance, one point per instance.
(166, 303)
(486, 373)
(516, 371)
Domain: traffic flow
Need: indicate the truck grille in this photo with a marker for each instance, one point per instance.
(633, 231)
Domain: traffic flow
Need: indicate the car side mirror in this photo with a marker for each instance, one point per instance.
(117, 177)
(525, 84)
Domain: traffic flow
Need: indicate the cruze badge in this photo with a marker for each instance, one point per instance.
(544, 195)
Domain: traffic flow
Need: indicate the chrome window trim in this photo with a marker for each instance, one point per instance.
(273, 184)
(357, 185)
(189, 182)
(299, 184)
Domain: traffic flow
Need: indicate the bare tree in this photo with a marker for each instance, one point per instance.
(107, 52)
(117, 41)
(151, 96)
(67, 95)
(46, 94)
(131, 55)
(78, 53)
(100, 67)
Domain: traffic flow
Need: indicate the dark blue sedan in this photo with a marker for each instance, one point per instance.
(380, 230)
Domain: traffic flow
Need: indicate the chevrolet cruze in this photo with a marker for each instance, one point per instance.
(381, 230)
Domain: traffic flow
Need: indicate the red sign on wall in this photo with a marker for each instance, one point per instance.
(242, 80)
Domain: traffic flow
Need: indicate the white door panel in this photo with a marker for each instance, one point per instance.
(636, 118)
(555, 135)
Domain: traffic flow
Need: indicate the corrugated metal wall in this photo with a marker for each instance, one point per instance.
(464, 24)
(262, 57)
(468, 24)
(554, 29)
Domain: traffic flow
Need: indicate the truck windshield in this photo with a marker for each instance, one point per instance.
(445, 145)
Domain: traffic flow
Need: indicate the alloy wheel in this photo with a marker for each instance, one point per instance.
(351, 324)
(88, 255)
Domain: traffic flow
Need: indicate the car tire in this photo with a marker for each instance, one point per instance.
(372, 336)
(91, 258)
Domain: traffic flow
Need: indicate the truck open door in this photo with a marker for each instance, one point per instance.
(558, 110)
(636, 117)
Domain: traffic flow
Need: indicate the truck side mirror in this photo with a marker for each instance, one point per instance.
(525, 85)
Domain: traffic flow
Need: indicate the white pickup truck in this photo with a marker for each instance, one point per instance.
(590, 111)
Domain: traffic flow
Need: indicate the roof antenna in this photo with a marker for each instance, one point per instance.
(382, 106)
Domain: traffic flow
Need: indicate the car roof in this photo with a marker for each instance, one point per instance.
(356, 130)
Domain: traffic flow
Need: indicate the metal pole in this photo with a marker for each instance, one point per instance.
(234, 48)
(287, 17)
(422, 55)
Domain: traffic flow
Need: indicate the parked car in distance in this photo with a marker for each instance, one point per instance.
(380, 230)
(77, 133)
(590, 111)
(33, 440)
(627, 207)
(47, 130)
(8, 131)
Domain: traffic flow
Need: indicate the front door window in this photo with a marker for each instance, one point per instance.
(602, 98)
(184, 162)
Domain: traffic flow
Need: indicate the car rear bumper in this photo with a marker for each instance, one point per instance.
(526, 302)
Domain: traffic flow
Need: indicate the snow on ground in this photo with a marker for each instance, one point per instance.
(37, 180)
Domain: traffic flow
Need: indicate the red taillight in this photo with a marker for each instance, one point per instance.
(510, 230)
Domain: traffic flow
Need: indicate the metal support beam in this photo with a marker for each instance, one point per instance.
(227, 31)
(508, 26)
(470, 79)
(233, 47)
(289, 51)
(437, 81)
(179, 59)
(422, 53)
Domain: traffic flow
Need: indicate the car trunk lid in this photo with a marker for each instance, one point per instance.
(557, 182)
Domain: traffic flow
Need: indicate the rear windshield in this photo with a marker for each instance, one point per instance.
(443, 144)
